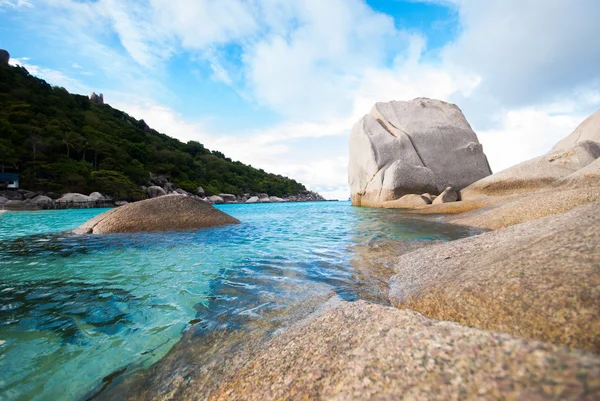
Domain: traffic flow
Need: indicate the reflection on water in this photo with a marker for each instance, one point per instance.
(76, 311)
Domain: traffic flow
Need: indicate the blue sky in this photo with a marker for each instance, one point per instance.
(279, 83)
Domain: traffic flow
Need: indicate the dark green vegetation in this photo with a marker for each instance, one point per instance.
(62, 142)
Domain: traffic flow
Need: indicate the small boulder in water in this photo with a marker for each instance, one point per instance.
(165, 213)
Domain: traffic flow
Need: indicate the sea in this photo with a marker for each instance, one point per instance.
(81, 314)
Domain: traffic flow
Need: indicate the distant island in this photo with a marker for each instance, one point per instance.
(60, 142)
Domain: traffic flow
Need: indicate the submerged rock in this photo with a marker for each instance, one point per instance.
(537, 280)
(359, 350)
(419, 146)
(165, 213)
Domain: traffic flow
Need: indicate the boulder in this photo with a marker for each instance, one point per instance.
(537, 280)
(97, 99)
(449, 195)
(11, 195)
(429, 197)
(364, 351)
(215, 199)
(182, 192)
(73, 197)
(252, 199)
(28, 194)
(535, 174)
(3, 200)
(410, 201)
(275, 199)
(96, 196)
(200, 192)
(228, 197)
(4, 57)
(585, 177)
(264, 200)
(155, 191)
(41, 200)
(589, 130)
(165, 213)
(16, 205)
(121, 203)
(418, 146)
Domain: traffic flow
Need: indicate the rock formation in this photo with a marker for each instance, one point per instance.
(410, 201)
(4, 57)
(535, 174)
(589, 130)
(165, 213)
(413, 147)
(155, 191)
(97, 99)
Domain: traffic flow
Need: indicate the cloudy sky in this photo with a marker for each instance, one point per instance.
(279, 83)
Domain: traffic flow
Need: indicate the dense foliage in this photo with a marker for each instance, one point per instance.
(64, 143)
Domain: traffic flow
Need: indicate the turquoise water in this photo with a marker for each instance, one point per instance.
(76, 309)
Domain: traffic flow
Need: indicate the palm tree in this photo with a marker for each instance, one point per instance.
(69, 139)
(99, 147)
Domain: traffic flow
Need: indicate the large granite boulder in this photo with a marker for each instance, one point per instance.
(419, 146)
(165, 213)
(3, 200)
(535, 174)
(11, 195)
(215, 199)
(96, 196)
(252, 199)
(155, 191)
(539, 280)
(16, 205)
(228, 197)
(41, 200)
(589, 130)
(363, 351)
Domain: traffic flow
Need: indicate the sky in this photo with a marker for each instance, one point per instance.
(278, 84)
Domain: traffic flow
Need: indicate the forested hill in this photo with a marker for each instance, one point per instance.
(63, 142)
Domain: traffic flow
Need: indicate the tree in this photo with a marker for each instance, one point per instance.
(69, 139)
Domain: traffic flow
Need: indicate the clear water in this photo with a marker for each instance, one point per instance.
(76, 309)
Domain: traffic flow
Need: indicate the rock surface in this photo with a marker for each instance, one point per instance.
(165, 213)
(418, 146)
(358, 351)
(11, 195)
(73, 197)
(252, 199)
(539, 280)
(410, 201)
(535, 174)
(3, 200)
(589, 130)
(228, 197)
(96, 196)
(155, 191)
(215, 199)
(449, 195)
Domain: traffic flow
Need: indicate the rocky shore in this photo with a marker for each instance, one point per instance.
(512, 313)
(30, 200)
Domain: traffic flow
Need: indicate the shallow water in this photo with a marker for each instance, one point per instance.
(77, 309)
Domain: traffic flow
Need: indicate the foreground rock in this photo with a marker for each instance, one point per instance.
(165, 213)
(449, 195)
(410, 201)
(589, 130)
(539, 280)
(357, 351)
(418, 146)
(535, 174)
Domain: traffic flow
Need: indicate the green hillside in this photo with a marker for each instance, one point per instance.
(62, 142)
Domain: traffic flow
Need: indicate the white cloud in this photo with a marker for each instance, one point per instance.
(15, 4)
(54, 77)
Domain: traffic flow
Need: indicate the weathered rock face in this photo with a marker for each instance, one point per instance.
(589, 130)
(11, 195)
(537, 280)
(200, 192)
(165, 213)
(4, 57)
(3, 200)
(410, 201)
(535, 174)
(363, 351)
(252, 199)
(155, 191)
(418, 146)
(97, 99)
